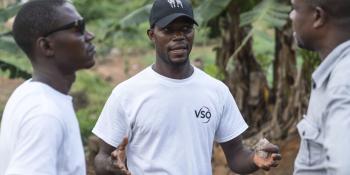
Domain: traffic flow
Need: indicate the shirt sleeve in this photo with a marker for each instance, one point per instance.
(37, 147)
(231, 123)
(111, 126)
(337, 127)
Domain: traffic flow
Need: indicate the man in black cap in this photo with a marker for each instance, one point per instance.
(166, 118)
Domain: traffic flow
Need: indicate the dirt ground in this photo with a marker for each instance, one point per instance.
(115, 71)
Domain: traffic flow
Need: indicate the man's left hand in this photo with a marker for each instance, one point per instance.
(266, 155)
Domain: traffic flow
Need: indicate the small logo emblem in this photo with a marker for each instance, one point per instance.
(175, 3)
(203, 114)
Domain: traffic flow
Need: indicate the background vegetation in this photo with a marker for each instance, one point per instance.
(248, 44)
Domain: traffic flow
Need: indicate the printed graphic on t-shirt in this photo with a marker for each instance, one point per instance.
(203, 114)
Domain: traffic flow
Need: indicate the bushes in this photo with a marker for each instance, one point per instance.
(90, 93)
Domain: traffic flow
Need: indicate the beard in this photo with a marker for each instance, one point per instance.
(175, 63)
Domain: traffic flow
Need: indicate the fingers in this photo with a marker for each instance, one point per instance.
(267, 155)
(120, 166)
(124, 143)
(119, 157)
(276, 156)
(270, 148)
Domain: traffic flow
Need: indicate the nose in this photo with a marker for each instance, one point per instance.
(179, 35)
(89, 36)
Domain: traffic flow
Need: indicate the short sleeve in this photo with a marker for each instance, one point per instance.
(37, 146)
(111, 126)
(231, 122)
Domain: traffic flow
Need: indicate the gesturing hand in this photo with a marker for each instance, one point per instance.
(119, 157)
(266, 155)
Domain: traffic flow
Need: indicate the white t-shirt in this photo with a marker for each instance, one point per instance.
(40, 134)
(171, 124)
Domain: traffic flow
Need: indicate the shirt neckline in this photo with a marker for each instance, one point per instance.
(172, 81)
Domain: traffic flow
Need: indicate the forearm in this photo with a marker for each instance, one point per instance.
(243, 162)
(103, 165)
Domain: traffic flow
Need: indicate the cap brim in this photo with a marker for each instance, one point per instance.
(168, 19)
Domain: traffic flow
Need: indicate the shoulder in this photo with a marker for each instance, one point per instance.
(33, 99)
(133, 85)
(341, 73)
(208, 81)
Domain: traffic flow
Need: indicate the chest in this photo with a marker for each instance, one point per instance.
(174, 113)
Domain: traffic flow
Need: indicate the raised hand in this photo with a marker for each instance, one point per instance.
(266, 155)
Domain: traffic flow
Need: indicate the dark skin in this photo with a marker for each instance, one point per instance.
(319, 31)
(57, 57)
(173, 45)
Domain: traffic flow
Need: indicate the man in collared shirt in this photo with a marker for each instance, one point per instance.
(323, 26)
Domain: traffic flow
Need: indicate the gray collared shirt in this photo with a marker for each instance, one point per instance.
(325, 129)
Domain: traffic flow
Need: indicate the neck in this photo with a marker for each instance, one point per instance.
(173, 71)
(334, 39)
(54, 79)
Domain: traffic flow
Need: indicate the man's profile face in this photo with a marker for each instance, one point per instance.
(301, 17)
(73, 48)
(174, 42)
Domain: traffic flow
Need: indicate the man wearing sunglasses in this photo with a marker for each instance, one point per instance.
(172, 112)
(39, 129)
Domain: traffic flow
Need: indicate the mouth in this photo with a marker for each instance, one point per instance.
(178, 49)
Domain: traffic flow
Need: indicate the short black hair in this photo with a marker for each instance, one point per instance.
(34, 19)
(337, 9)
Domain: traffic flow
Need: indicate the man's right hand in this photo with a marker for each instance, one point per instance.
(111, 160)
(119, 158)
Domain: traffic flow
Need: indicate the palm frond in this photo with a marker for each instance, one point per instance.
(126, 26)
(7, 43)
(209, 10)
(136, 17)
(265, 15)
(8, 12)
(271, 12)
(14, 71)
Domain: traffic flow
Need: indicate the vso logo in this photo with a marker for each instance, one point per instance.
(203, 114)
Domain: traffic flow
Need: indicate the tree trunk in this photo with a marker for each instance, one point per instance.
(246, 81)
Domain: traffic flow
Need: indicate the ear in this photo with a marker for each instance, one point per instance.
(150, 33)
(45, 46)
(319, 17)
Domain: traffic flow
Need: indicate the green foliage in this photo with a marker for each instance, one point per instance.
(12, 60)
(264, 51)
(8, 44)
(210, 9)
(90, 93)
(8, 48)
(268, 14)
(112, 26)
(14, 71)
(136, 17)
(6, 13)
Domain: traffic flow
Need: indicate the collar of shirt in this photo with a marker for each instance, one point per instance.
(326, 67)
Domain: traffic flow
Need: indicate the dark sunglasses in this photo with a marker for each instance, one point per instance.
(79, 24)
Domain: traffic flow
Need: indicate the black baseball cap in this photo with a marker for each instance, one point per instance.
(163, 12)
